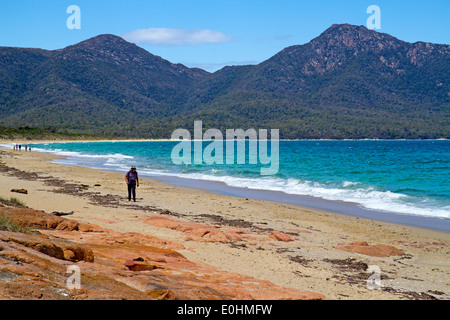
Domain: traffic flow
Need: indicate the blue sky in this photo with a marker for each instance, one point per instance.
(211, 33)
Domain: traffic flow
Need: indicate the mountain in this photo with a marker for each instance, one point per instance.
(92, 86)
(349, 82)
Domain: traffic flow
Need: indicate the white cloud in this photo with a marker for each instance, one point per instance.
(175, 37)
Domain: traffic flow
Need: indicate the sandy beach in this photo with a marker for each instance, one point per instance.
(288, 245)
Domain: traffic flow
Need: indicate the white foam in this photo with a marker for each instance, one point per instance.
(366, 196)
(76, 154)
(7, 145)
(346, 184)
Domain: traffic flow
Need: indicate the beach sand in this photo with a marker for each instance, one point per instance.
(290, 246)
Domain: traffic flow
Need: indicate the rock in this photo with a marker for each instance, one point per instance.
(69, 225)
(199, 232)
(39, 243)
(39, 219)
(379, 250)
(74, 252)
(24, 191)
(280, 236)
(49, 249)
(52, 223)
(163, 222)
(161, 294)
(85, 227)
(41, 260)
(55, 248)
(140, 266)
(70, 255)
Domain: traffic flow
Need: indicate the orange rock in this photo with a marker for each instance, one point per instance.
(161, 294)
(48, 248)
(36, 242)
(52, 247)
(40, 219)
(42, 276)
(84, 227)
(69, 225)
(280, 236)
(199, 232)
(80, 253)
(140, 266)
(379, 250)
(31, 218)
(69, 255)
(162, 222)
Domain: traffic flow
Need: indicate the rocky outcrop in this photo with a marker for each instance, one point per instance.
(113, 265)
(213, 233)
(40, 219)
(379, 250)
(200, 232)
(52, 247)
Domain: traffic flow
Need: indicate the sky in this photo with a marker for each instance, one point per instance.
(211, 34)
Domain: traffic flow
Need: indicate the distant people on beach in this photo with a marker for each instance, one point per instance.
(19, 147)
(132, 180)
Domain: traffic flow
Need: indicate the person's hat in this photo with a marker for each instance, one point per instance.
(133, 167)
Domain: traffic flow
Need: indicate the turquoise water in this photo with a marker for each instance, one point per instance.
(407, 177)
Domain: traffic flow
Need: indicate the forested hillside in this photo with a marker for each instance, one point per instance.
(349, 82)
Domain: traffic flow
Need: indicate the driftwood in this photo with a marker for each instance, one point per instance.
(59, 214)
(24, 191)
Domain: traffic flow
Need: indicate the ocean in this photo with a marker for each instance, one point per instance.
(409, 178)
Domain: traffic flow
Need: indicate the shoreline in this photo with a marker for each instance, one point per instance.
(308, 260)
(330, 206)
(313, 202)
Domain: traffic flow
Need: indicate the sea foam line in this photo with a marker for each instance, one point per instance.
(368, 196)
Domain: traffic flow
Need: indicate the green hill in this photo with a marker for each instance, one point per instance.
(349, 82)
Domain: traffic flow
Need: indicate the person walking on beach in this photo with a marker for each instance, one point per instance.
(132, 180)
